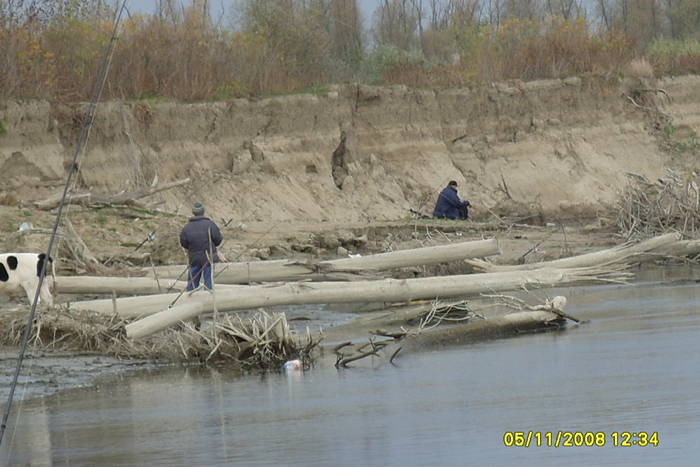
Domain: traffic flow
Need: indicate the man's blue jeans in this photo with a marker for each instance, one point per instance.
(196, 272)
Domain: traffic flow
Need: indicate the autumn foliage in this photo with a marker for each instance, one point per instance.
(282, 46)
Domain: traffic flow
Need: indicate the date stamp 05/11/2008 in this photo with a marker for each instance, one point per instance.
(558, 439)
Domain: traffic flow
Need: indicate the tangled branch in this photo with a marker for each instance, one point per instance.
(647, 208)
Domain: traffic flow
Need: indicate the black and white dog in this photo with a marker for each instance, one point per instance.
(23, 270)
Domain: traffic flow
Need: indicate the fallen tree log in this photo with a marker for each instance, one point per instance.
(342, 269)
(681, 249)
(627, 252)
(467, 332)
(93, 199)
(119, 285)
(368, 291)
(479, 330)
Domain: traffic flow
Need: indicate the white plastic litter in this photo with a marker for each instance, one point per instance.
(293, 365)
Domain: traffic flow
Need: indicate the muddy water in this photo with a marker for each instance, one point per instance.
(634, 367)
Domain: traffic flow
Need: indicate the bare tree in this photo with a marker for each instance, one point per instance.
(495, 11)
(523, 9)
(567, 9)
(605, 13)
(396, 24)
(683, 18)
(346, 30)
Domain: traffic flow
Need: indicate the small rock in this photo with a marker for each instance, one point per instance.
(342, 251)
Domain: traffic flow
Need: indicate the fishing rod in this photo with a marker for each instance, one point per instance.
(81, 143)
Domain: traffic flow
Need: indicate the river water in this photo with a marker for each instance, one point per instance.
(633, 368)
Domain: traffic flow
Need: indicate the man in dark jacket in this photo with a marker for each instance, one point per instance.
(200, 237)
(449, 205)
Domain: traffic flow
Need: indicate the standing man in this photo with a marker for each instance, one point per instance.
(449, 205)
(200, 237)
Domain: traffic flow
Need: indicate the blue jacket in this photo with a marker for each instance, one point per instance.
(450, 206)
(195, 238)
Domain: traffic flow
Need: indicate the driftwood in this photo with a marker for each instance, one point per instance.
(682, 249)
(483, 329)
(460, 330)
(92, 199)
(554, 305)
(338, 269)
(260, 340)
(119, 285)
(628, 252)
(323, 292)
(78, 251)
(371, 348)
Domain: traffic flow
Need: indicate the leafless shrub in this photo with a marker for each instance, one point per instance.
(640, 68)
(646, 208)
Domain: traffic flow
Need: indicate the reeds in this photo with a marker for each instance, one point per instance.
(260, 341)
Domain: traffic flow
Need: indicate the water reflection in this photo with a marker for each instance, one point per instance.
(634, 367)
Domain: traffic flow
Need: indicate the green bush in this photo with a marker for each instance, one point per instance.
(387, 58)
(675, 56)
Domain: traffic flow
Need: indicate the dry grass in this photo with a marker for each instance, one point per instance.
(640, 68)
(261, 341)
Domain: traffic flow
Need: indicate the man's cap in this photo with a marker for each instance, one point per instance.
(452, 183)
(197, 209)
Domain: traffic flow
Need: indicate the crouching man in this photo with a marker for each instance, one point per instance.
(449, 205)
(200, 237)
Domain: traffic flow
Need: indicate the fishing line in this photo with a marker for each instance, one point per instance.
(74, 167)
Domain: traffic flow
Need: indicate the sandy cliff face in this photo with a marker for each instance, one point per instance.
(361, 152)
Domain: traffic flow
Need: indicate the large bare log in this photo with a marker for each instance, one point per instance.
(478, 330)
(119, 285)
(367, 291)
(286, 270)
(90, 199)
(681, 249)
(626, 252)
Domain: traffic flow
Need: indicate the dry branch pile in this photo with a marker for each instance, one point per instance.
(260, 341)
(436, 314)
(120, 199)
(448, 313)
(61, 329)
(648, 208)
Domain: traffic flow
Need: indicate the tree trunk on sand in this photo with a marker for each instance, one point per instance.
(653, 247)
(119, 285)
(367, 291)
(89, 199)
(286, 270)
